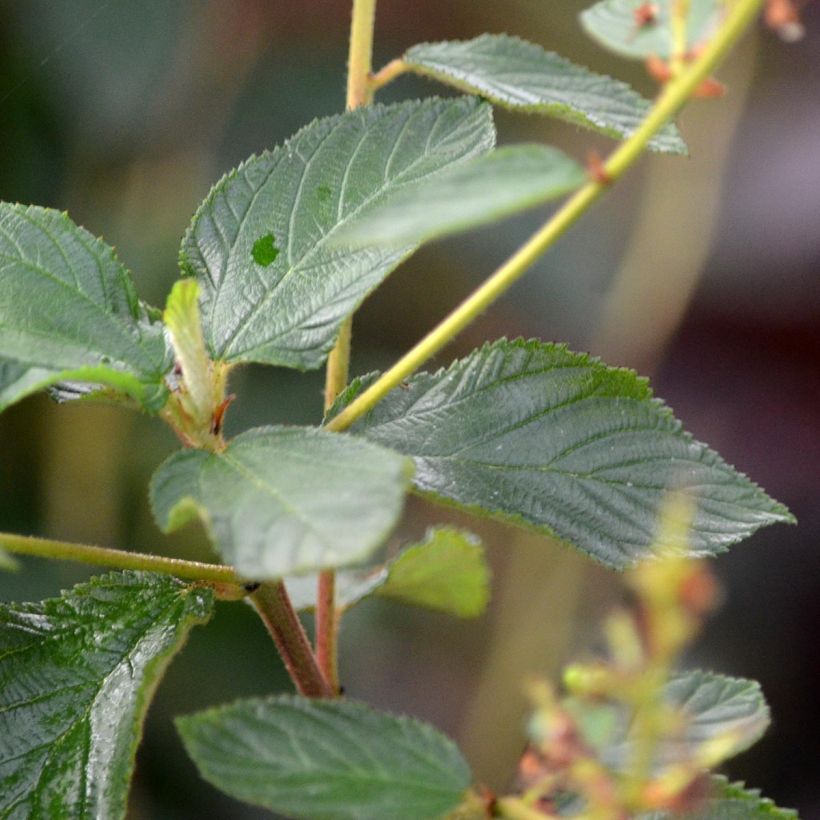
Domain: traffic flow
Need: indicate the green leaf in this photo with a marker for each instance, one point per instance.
(275, 286)
(68, 310)
(732, 710)
(612, 23)
(486, 189)
(446, 571)
(77, 674)
(538, 435)
(731, 801)
(523, 76)
(326, 760)
(285, 500)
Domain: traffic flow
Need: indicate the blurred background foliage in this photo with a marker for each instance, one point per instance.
(702, 273)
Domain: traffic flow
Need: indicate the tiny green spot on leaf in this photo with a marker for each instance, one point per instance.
(265, 250)
(323, 193)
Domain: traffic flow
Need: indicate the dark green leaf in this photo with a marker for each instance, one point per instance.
(76, 676)
(523, 76)
(539, 435)
(612, 23)
(68, 310)
(275, 285)
(486, 189)
(326, 760)
(285, 500)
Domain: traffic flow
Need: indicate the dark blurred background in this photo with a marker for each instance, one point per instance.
(702, 273)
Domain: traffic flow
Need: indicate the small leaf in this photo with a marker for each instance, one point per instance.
(447, 572)
(538, 435)
(717, 711)
(275, 287)
(613, 24)
(731, 801)
(76, 677)
(285, 500)
(68, 310)
(326, 760)
(486, 189)
(523, 76)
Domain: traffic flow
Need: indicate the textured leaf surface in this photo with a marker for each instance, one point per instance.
(275, 286)
(326, 760)
(484, 190)
(285, 500)
(713, 706)
(612, 24)
(520, 75)
(446, 571)
(68, 310)
(539, 435)
(732, 801)
(76, 677)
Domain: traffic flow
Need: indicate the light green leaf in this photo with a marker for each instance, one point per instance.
(285, 500)
(612, 23)
(713, 706)
(486, 189)
(523, 76)
(538, 435)
(326, 760)
(275, 286)
(76, 677)
(68, 310)
(731, 801)
(446, 571)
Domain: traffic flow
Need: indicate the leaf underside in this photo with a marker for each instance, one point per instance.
(537, 435)
(275, 286)
(520, 75)
(492, 187)
(76, 678)
(68, 310)
(285, 500)
(326, 760)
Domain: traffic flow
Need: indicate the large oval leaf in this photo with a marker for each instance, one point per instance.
(326, 760)
(68, 310)
(520, 75)
(275, 287)
(539, 435)
(76, 677)
(286, 500)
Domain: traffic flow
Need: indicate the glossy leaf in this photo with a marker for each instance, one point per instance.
(729, 713)
(520, 75)
(538, 435)
(285, 500)
(613, 24)
(486, 189)
(275, 286)
(76, 677)
(326, 760)
(68, 310)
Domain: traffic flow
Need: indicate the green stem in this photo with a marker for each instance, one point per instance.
(275, 609)
(105, 557)
(674, 96)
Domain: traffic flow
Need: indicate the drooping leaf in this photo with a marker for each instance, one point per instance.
(614, 25)
(486, 189)
(446, 571)
(538, 435)
(76, 677)
(68, 310)
(326, 760)
(275, 286)
(731, 801)
(729, 713)
(285, 500)
(520, 75)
